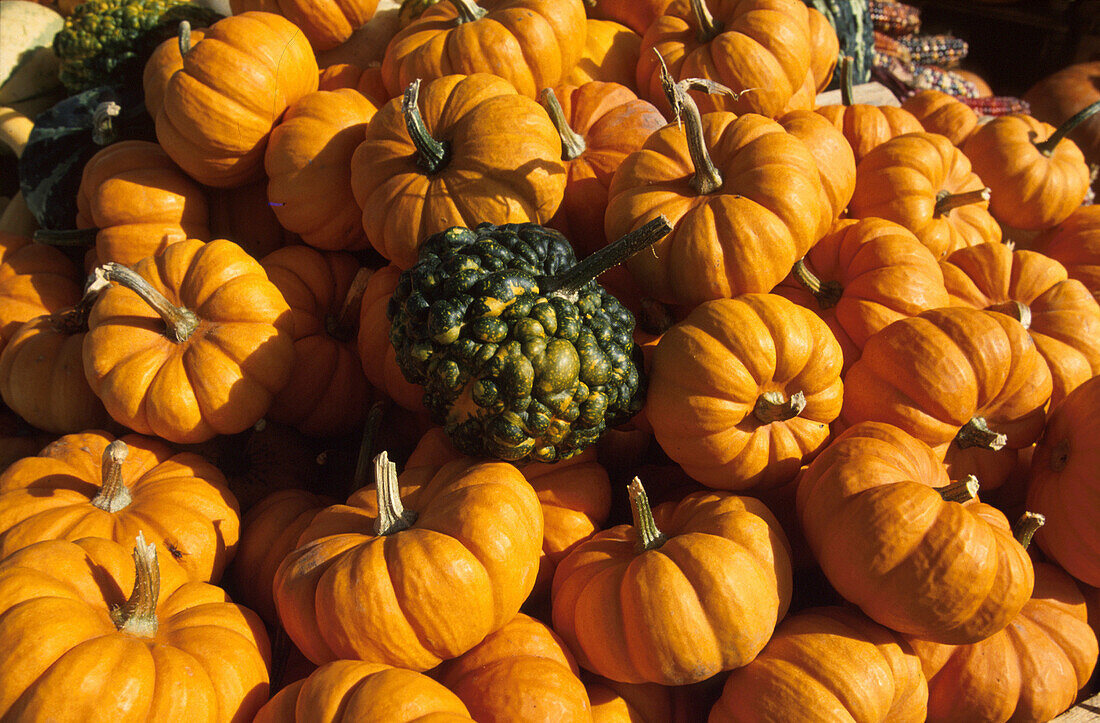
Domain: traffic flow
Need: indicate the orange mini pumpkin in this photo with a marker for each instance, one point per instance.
(326, 23)
(941, 113)
(35, 279)
(610, 54)
(375, 350)
(1075, 243)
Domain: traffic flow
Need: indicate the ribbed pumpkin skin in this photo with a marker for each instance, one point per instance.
(707, 600)
(763, 44)
(522, 672)
(326, 23)
(637, 15)
(610, 54)
(827, 664)
(710, 370)
(308, 165)
(889, 543)
(884, 273)
(867, 126)
(743, 238)
(1064, 316)
(832, 152)
(941, 113)
(1063, 484)
(504, 165)
(35, 279)
(899, 181)
(1075, 243)
(351, 691)
(376, 353)
(1030, 671)
(223, 378)
(140, 201)
(160, 66)
(436, 589)
(1031, 190)
(532, 44)
(61, 657)
(220, 107)
(180, 502)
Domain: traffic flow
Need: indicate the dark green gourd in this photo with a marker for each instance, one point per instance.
(521, 353)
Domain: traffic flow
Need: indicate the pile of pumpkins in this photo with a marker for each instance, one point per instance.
(871, 341)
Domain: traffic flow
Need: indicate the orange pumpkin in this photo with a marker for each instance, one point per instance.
(831, 150)
(326, 23)
(1075, 243)
(824, 49)
(531, 44)
(91, 484)
(743, 390)
(35, 279)
(220, 106)
(368, 81)
(610, 54)
(244, 216)
(375, 350)
(194, 342)
(164, 61)
(637, 15)
(941, 113)
(459, 151)
(73, 645)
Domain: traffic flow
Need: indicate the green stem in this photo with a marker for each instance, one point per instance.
(469, 11)
(960, 491)
(69, 237)
(392, 515)
(776, 407)
(827, 293)
(364, 463)
(976, 433)
(573, 278)
(113, 494)
(179, 322)
(709, 28)
(572, 143)
(946, 202)
(1026, 527)
(1047, 147)
(138, 615)
(432, 155)
(847, 95)
(649, 537)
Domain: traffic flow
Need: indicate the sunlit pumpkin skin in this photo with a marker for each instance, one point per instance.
(724, 391)
(706, 599)
(1063, 484)
(220, 106)
(902, 179)
(871, 273)
(532, 44)
(1030, 671)
(889, 542)
(435, 589)
(376, 353)
(326, 23)
(832, 152)
(522, 672)
(744, 238)
(308, 165)
(352, 691)
(327, 394)
(162, 63)
(1033, 188)
(941, 113)
(35, 279)
(1061, 315)
(615, 702)
(765, 45)
(140, 201)
(935, 373)
(824, 49)
(827, 663)
(610, 54)
(368, 81)
(1075, 243)
(868, 126)
(502, 152)
(179, 501)
(62, 656)
(219, 380)
(612, 122)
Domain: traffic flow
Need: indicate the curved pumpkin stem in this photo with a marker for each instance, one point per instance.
(344, 324)
(104, 132)
(947, 202)
(709, 28)
(469, 11)
(392, 515)
(74, 319)
(572, 143)
(432, 155)
(649, 537)
(827, 293)
(179, 322)
(184, 38)
(1047, 147)
(573, 278)
(1018, 310)
(113, 494)
(138, 615)
(847, 94)
(775, 407)
(960, 492)
(976, 433)
(1026, 527)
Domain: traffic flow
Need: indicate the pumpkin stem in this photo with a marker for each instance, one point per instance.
(179, 322)
(847, 96)
(104, 132)
(469, 11)
(572, 143)
(1047, 147)
(344, 324)
(392, 516)
(827, 293)
(74, 319)
(707, 178)
(432, 155)
(960, 492)
(113, 494)
(184, 37)
(709, 28)
(68, 237)
(946, 202)
(138, 615)
(976, 433)
(775, 407)
(1026, 527)
(649, 537)
(573, 278)
(1018, 310)
(364, 467)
